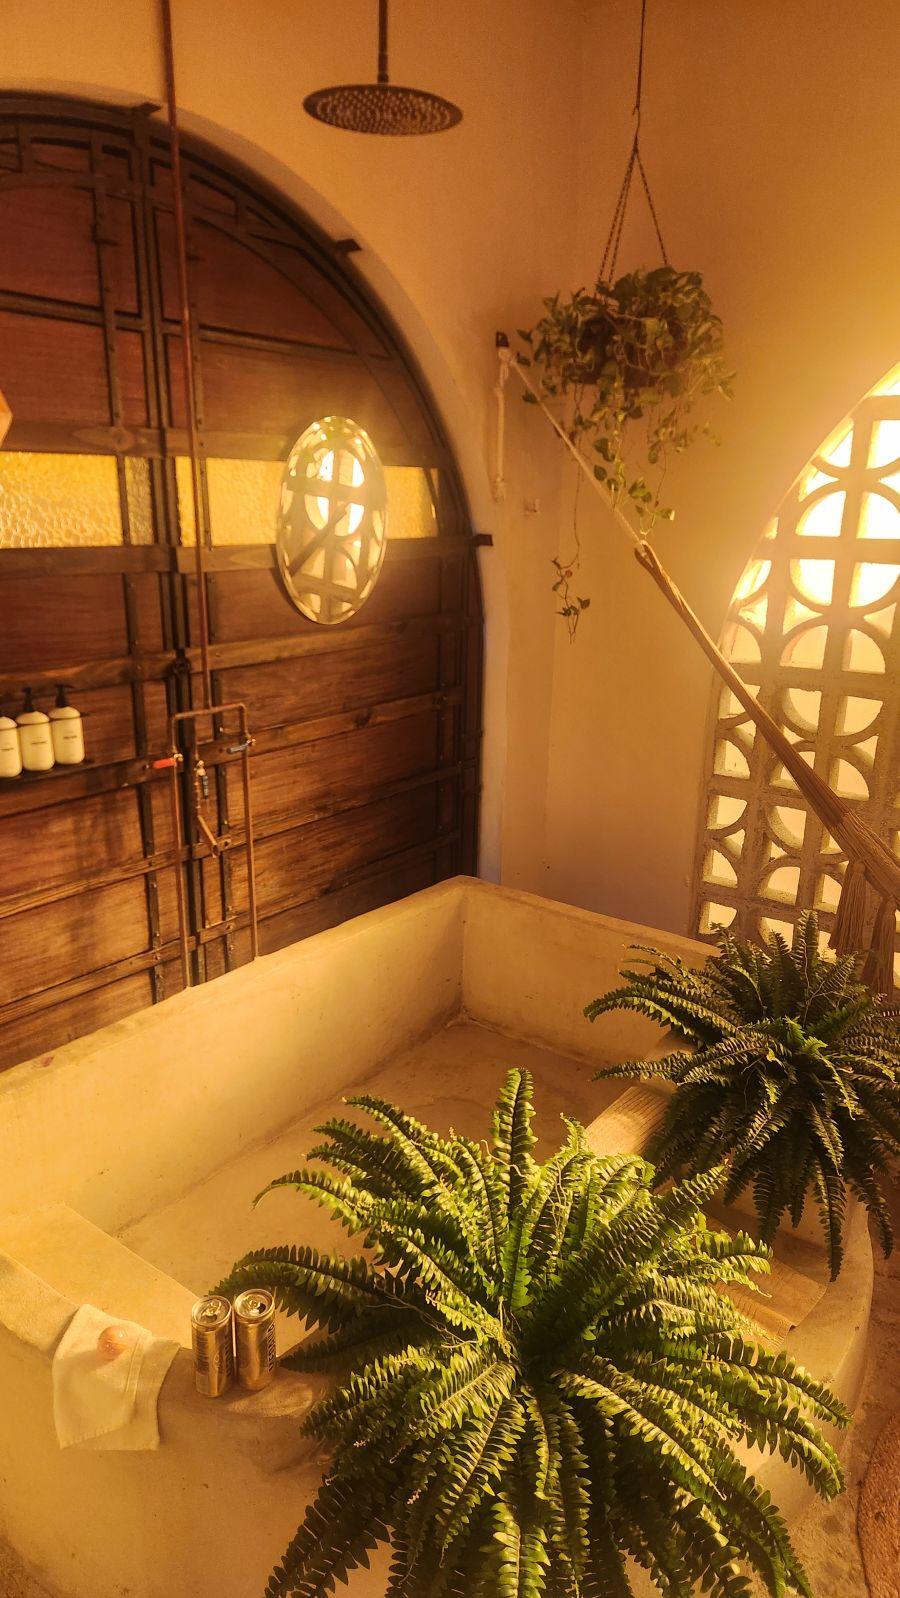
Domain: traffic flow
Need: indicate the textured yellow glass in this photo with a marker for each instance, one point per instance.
(58, 501)
(140, 501)
(410, 511)
(244, 498)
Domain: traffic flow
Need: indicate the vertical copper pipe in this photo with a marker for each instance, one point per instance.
(383, 41)
(187, 344)
(183, 937)
(248, 834)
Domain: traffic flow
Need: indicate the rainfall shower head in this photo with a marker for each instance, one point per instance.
(382, 107)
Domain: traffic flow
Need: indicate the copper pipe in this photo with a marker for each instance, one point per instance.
(176, 762)
(187, 344)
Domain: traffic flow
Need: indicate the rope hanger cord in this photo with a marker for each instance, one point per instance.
(869, 859)
(635, 160)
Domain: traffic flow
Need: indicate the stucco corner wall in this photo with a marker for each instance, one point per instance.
(530, 966)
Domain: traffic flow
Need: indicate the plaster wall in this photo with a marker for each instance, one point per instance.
(767, 132)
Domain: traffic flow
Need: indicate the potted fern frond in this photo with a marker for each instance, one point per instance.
(539, 1381)
(792, 1080)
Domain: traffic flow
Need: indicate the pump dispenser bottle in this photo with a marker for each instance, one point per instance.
(10, 750)
(66, 730)
(34, 736)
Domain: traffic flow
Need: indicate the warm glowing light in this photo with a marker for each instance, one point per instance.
(884, 449)
(879, 518)
(889, 384)
(823, 519)
(872, 582)
(814, 580)
(754, 575)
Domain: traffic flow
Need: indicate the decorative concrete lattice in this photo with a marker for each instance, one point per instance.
(813, 629)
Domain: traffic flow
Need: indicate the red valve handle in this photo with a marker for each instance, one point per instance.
(166, 762)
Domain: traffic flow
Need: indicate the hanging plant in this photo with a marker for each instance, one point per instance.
(539, 1376)
(628, 362)
(631, 359)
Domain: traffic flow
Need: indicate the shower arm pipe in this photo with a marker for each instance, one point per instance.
(187, 345)
(383, 42)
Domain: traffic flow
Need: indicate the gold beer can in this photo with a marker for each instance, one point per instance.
(212, 1334)
(254, 1337)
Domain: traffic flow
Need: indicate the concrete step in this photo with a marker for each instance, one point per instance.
(87, 1266)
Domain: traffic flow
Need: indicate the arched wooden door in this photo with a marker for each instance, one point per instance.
(365, 767)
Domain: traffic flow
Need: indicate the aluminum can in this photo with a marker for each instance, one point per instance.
(254, 1337)
(212, 1335)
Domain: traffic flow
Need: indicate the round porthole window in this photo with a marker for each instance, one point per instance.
(332, 521)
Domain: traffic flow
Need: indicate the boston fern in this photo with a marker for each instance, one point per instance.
(538, 1376)
(793, 1081)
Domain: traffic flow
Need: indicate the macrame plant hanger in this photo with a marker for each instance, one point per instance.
(870, 862)
(633, 164)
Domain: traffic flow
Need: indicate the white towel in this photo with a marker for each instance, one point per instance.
(100, 1402)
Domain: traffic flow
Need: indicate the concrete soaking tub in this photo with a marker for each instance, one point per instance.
(130, 1159)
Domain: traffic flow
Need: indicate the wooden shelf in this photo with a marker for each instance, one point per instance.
(7, 783)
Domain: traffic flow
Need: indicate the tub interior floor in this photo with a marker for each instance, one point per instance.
(449, 1079)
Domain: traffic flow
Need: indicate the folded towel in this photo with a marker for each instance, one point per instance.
(107, 1374)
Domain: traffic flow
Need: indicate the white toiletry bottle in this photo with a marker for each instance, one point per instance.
(34, 737)
(10, 749)
(66, 730)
